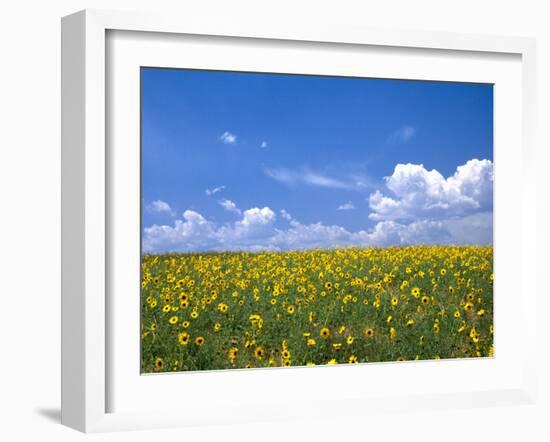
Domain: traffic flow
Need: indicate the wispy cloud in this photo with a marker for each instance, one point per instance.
(228, 138)
(229, 206)
(263, 145)
(308, 177)
(347, 206)
(214, 190)
(317, 179)
(402, 135)
(295, 177)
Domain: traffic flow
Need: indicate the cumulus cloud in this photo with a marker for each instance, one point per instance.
(423, 207)
(214, 190)
(308, 236)
(258, 217)
(159, 206)
(471, 229)
(193, 232)
(347, 206)
(257, 230)
(417, 193)
(229, 206)
(253, 231)
(228, 138)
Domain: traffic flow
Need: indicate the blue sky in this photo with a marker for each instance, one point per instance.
(332, 160)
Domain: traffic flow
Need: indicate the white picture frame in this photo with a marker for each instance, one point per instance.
(85, 210)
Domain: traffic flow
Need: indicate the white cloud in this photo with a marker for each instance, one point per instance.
(252, 232)
(316, 179)
(229, 206)
(263, 145)
(347, 206)
(285, 215)
(228, 138)
(402, 135)
(424, 208)
(417, 193)
(258, 217)
(311, 178)
(285, 176)
(214, 190)
(191, 233)
(159, 206)
(256, 230)
(306, 236)
(471, 229)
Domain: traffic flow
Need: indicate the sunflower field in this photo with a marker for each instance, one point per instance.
(211, 311)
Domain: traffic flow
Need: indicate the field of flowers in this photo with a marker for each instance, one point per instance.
(210, 311)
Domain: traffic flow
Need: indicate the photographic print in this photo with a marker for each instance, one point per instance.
(301, 220)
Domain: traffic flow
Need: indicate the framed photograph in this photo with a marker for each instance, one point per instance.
(278, 221)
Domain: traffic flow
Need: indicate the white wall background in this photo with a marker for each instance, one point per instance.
(30, 214)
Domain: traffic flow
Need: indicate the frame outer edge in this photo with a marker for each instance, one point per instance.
(530, 209)
(83, 334)
(83, 183)
(337, 33)
(73, 80)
